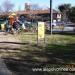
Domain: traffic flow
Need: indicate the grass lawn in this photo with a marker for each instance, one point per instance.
(57, 44)
(58, 52)
(58, 47)
(49, 39)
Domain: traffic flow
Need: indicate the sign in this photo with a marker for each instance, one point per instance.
(59, 16)
(41, 30)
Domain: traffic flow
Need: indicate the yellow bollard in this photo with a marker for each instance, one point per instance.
(2, 27)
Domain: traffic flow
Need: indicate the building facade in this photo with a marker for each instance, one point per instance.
(39, 15)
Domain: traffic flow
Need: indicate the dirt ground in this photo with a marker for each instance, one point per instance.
(8, 44)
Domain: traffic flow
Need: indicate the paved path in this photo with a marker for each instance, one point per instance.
(5, 42)
(3, 68)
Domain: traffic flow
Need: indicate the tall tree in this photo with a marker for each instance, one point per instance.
(64, 9)
(71, 15)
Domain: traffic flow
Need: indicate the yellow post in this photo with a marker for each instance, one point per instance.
(41, 32)
(2, 27)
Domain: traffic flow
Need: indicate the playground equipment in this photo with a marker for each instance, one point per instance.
(12, 18)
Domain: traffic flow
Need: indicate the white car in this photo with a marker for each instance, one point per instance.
(68, 28)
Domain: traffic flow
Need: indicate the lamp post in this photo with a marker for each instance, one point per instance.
(51, 18)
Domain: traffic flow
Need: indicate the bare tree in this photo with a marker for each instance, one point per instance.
(1, 9)
(7, 6)
(35, 7)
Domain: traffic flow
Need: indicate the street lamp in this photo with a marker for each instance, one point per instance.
(51, 14)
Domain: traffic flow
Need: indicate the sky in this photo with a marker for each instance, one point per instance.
(19, 4)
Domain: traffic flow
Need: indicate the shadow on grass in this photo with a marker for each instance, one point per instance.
(51, 55)
(14, 43)
(65, 52)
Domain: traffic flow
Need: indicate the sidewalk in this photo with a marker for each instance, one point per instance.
(3, 68)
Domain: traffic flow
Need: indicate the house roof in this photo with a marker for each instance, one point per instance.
(47, 11)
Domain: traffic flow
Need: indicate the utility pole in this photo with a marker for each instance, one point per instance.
(51, 16)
